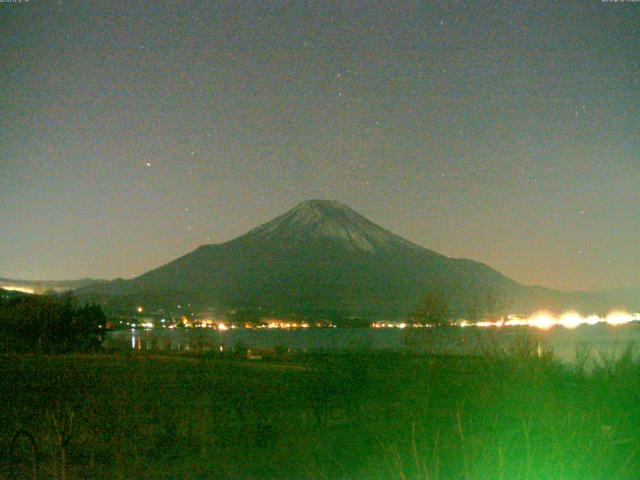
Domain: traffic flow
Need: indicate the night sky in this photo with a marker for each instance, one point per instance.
(131, 132)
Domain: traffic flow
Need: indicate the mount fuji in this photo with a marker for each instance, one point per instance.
(322, 258)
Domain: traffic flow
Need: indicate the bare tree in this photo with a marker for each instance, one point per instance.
(432, 309)
(492, 304)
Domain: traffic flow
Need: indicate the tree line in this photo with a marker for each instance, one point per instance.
(433, 307)
(49, 324)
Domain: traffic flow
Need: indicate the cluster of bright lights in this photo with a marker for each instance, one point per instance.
(546, 320)
(389, 325)
(216, 324)
(287, 325)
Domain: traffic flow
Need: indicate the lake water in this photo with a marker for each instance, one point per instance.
(601, 339)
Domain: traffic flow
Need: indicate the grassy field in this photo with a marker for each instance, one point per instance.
(365, 415)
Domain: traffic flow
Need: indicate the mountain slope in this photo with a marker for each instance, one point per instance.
(319, 258)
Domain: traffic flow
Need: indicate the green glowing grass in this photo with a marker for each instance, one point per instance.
(367, 415)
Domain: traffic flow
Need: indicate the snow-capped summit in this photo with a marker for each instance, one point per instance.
(329, 219)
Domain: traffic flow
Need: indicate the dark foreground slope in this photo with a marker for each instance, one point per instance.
(367, 416)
